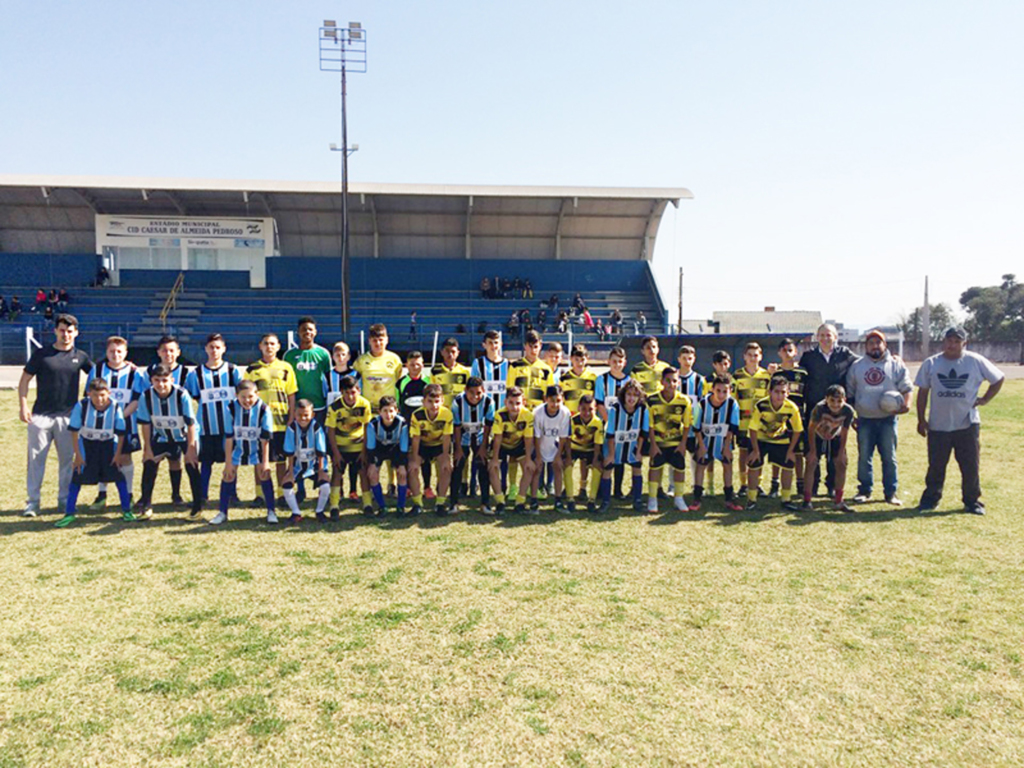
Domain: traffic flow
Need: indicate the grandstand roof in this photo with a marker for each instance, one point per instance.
(55, 214)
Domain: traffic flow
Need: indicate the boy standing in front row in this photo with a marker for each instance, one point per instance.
(346, 434)
(250, 428)
(512, 442)
(671, 419)
(750, 384)
(717, 426)
(305, 445)
(99, 432)
(586, 444)
(775, 428)
(430, 435)
(387, 440)
(277, 385)
(552, 428)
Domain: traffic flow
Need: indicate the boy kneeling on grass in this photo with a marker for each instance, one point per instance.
(830, 422)
(249, 426)
(99, 433)
(305, 445)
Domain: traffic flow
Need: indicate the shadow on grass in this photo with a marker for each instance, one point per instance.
(825, 515)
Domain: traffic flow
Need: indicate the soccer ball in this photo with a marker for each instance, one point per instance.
(891, 401)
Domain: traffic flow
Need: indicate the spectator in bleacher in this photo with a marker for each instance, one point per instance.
(51, 298)
(48, 317)
(578, 303)
(542, 320)
(615, 320)
(102, 276)
(413, 336)
(513, 323)
(553, 302)
(56, 369)
(526, 320)
(506, 287)
(485, 288)
(15, 307)
(588, 320)
(563, 322)
(3, 308)
(517, 285)
(600, 330)
(40, 300)
(63, 297)
(527, 289)
(640, 324)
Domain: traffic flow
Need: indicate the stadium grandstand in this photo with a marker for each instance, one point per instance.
(190, 257)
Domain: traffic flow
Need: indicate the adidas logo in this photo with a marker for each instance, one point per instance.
(952, 381)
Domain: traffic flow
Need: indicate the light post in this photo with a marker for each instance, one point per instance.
(343, 49)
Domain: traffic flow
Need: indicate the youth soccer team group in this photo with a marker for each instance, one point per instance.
(512, 431)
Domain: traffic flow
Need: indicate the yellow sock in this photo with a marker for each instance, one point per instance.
(752, 493)
(499, 498)
(367, 499)
(418, 499)
(442, 499)
(335, 497)
(786, 494)
(570, 482)
(595, 482)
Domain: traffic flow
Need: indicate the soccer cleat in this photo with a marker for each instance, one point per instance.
(257, 503)
(792, 506)
(31, 509)
(99, 502)
(321, 518)
(570, 508)
(774, 490)
(519, 509)
(751, 506)
(639, 506)
(591, 508)
(179, 503)
(842, 506)
(272, 518)
(416, 510)
(429, 494)
(513, 491)
(606, 505)
(862, 498)
(65, 521)
(894, 500)
(680, 504)
(581, 497)
(129, 516)
(146, 513)
(977, 508)
(335, 514)
(485, 510)
(499, 510)
(742, 492)
(295, 519)
(353, 496)
(195, 512)
(807, 507)
(559, 506)
(441, 510)
(694, 506)
(369, 511)
(926, 506)
(733, 505)
(535, 504)
(400, 512)
(663, 495)
(219, 519)
(542, 492)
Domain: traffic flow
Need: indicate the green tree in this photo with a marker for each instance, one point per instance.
(941, 318)
(995, 312)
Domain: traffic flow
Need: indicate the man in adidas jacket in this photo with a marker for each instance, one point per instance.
(952, 379)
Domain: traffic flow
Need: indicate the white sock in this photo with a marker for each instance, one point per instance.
(293, 503)
(324, 498)
(101, 488)
(128, 470)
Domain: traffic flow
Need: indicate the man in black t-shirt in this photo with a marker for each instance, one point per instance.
(56, 369)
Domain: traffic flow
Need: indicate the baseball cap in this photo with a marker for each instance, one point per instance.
(955, 330)
(874, 332)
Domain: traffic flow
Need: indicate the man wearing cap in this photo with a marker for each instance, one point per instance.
(866, 381)
(826, 364)
(953, 424)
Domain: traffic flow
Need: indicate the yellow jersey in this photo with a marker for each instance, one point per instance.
(533, 378)
(670, 419)
(348, 422)
(586, 436)
(431, 431)
(452, 381)
(513, 431)
(775, 426)
(378, 376)
(648, 376)
(275, 382)
(747, 389)
(574, 387)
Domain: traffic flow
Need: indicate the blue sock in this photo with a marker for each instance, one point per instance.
(378, 495)
(402, 491)
(227, 493)
(124, 493)
(71, 503)
(205, 470)
(604, 489)
(268, 494)
(638, 488)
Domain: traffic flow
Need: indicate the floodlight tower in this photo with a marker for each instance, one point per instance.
(343, 49)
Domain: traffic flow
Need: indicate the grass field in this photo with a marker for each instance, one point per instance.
(886, 636)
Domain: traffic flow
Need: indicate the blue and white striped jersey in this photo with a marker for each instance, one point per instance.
(248, 427)
(716, 423)
(94, 426)
(606, 392)
(381, 436)
(308, 446)
(692, 385)
(473, 419)
(332, 383)
(169, 417)
(178, 375)
(214, 388)
(625, 429)
(126, 383)
(495, 376)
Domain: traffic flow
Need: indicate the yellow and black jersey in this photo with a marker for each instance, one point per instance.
(430, 431)
(648, 376)
(574, 387)
(378, 375)
(670, 419)
(452, 380)
(348, 423)
(533, 378)
(587, 435)
(512, 431)
(775, 426)
(748, 388)
(797, 378)
(275, 382)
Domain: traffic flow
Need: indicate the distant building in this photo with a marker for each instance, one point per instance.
(846, 335)
(798, 323)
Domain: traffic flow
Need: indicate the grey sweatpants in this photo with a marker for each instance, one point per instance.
(42, 431)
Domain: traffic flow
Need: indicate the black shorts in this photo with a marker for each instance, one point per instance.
(773, 453)
(801, 444)
(430, 452)
(743, 441)
(691, 444)
(320, 416)
(669, 456)
(587, 457)
(132, 444)
(211, 449)
(511, 454)
(826, 448)
(172, 451)
(355, 459)
(277, 454)
(645, 449)
(98, 468)
(390, 453)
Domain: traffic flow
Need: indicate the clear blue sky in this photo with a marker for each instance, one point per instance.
(837, 151)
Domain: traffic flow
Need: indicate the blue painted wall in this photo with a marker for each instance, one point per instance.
(48, 270)
(194, 278)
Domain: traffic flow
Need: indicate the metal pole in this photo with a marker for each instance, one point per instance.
(679, 326)
(344, 204)
(926, 322)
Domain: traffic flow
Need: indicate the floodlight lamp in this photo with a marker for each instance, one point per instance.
(334, 147)
(355, 147)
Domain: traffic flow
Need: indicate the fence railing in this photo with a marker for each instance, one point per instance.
(172, 299)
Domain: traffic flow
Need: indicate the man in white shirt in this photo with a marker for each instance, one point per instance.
(953, 424)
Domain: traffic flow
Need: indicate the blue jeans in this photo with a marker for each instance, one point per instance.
(880, 434)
